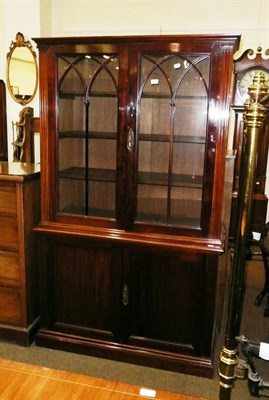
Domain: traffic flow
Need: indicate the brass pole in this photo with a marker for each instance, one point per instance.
(254, 115)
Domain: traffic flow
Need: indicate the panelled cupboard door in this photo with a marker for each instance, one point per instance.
(143, 299)
(171, 301)
(81, 287)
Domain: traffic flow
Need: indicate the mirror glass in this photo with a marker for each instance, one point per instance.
(22, 72)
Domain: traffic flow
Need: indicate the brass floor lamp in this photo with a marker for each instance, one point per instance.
(254, 115)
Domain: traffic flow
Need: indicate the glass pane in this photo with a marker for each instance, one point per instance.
(72, 198)
(71, 175)
(185, 206)
(106, 110)
(102, 199)
(154, 117)
(188, 161)
(87, 125)
(191, 120)
(102, 177)
(172, 130)
(150, 154)
(152, 203)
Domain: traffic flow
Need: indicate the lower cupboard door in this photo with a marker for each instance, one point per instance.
(81, 295)
(171, 300)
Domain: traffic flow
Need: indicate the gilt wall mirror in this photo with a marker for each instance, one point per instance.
(3, 122)
(22, 71)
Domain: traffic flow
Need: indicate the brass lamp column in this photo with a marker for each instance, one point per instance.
(254, 115)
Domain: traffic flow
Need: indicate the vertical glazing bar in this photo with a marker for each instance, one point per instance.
(171, 150)
(87, 103)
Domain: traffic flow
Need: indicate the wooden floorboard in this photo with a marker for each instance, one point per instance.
(20, 381)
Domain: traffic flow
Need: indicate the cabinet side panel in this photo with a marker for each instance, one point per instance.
(31, 214)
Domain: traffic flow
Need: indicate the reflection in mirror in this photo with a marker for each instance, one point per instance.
(22, 73)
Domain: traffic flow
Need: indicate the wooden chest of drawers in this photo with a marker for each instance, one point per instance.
(19, 212)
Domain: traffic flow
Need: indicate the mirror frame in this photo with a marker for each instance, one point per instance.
(20, 42)
(3, 122)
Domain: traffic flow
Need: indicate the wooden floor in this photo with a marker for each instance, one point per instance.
(29, 382)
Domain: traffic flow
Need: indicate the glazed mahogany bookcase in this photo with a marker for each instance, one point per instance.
(132, 233)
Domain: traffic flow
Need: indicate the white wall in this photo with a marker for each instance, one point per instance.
(119, 17)
(34, 18)
(159, 16)
(18, 16)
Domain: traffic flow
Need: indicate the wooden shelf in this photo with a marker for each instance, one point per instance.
(151, 178)
(146, 178)
(151, 137)
(71, 94)
(91, 135)
(161, 95)
(93, 212)
(191, 139)
(105, 175)
(187, 211)
(172, 221)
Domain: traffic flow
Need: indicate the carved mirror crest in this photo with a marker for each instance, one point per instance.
(22, 71)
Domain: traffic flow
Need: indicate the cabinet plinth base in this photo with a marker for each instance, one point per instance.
(22, 336)
(185, 364)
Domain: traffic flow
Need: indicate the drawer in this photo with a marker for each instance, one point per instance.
(9, 233)
(9, 268)
(8, 202)
(10, 305)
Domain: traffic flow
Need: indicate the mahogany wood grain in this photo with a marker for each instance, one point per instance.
(120, 277)
(19, 212)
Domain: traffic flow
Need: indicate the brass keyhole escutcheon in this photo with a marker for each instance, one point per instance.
(125, 295)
